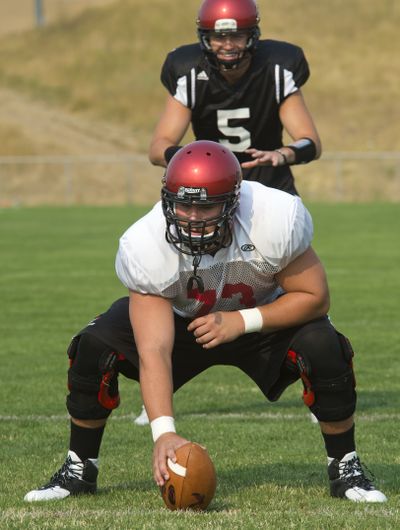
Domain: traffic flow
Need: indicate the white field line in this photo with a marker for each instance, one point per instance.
(37, 512)
(374, 417)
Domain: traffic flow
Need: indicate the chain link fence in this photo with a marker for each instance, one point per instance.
(131, 179)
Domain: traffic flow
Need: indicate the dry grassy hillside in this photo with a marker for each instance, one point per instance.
(21, 15)
(96, 71)
(105, 62)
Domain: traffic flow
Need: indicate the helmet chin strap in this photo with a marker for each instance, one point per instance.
(195, 278)
(229, 65)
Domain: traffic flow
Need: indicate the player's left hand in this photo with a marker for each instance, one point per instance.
(263, 158)
(217, 328)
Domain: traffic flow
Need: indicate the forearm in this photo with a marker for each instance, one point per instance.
(292, 309)
(299, 124)
(153, 327)
(157, 150)
(157, 387)
(169, 131)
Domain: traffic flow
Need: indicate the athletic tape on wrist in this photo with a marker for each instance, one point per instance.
(161, 425)
(304, 150)
(253, 320)
(171, 151)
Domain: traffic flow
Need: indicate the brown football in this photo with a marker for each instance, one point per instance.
(192, 480)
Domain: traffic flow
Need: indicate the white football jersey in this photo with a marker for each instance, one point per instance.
(271, 228)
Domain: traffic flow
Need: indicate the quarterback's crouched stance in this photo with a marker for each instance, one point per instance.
(227, 282)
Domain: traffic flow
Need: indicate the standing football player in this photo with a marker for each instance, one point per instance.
(219, 272)
(240, 91)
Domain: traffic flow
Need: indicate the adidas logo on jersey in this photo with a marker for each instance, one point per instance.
(202, 76)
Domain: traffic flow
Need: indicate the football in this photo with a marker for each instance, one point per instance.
(192, 479)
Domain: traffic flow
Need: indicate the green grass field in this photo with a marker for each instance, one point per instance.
(57, 272)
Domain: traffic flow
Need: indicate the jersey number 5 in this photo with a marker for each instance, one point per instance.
(223, 117)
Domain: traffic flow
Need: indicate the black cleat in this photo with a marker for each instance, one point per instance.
(73, 478)
(348, 480)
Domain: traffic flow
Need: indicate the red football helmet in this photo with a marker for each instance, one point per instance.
(227, 16)
(202, 173)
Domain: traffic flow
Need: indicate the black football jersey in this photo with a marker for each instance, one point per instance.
(245, 114)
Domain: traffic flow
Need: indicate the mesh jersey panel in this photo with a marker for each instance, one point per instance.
(236, 285)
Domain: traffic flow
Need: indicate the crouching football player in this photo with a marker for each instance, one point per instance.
(227, 273)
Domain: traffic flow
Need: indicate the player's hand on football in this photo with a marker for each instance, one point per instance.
(165, 448)
(263, 158)
(217, 328)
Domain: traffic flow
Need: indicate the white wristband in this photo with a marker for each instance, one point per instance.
(253, 320)
(161, 425)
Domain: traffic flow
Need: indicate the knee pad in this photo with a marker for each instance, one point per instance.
(323, 358)
(92, 379)
(83, 401)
